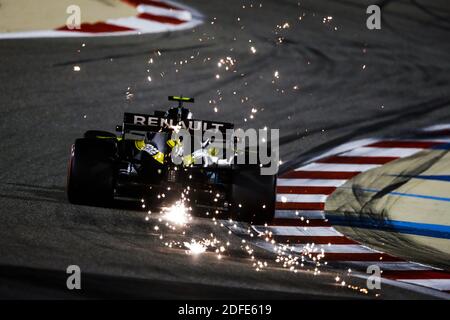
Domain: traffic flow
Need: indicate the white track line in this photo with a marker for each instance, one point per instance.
(391, 266)
(299, 231)
(307, 198)
(381, 152)
(179, 14)
(437, 127)
(345, 147)
(298, 214)
(337, 167)
(439, 284)
(333, 248)
(53, 34)
(437, 140)
(141, 24)
(287, 182)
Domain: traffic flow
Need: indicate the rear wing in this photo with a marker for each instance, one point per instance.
(183, 99)
(153, 123)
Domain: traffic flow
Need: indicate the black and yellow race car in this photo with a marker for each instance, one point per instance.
(138, 164)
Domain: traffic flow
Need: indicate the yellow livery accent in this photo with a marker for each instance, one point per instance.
(140, 144)
(188, 160)
(181, 98)
(159, 157)
(171, 143)
(213, 151)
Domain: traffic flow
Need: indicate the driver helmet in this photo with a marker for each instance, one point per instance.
(178, 113)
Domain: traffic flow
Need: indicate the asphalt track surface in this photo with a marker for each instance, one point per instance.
(45, 105)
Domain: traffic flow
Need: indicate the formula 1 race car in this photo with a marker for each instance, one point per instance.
(138, 164)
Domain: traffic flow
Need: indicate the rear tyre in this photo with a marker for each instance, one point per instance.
(90, 178)
(253, 195)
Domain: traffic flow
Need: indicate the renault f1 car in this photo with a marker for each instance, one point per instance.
(138, 163)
